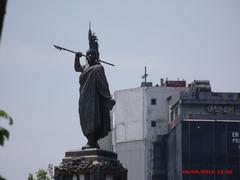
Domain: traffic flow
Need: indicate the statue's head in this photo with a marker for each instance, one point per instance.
(92, 56)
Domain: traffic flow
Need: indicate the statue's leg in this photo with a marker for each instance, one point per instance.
(92, 142)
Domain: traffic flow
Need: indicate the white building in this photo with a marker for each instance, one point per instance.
(139, 115)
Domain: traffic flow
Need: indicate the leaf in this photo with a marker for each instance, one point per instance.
(4, 134)
(30, 176)
(3, 114)
(42, 174)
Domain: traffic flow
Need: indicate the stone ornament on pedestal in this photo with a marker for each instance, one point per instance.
(90, 164)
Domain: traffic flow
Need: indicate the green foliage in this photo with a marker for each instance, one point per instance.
(4, 134)
(50, 170)
(42, 174)
(30, 176)
(4, 115)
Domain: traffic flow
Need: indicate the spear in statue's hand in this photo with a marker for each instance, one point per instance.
(61, 48)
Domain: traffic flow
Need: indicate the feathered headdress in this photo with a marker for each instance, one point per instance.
(93, 41)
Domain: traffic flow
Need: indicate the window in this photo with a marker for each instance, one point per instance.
(153, 101)
(153, 123)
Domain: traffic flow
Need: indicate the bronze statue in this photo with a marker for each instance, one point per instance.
(95, 100)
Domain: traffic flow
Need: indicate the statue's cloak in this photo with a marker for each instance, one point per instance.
(93, 103)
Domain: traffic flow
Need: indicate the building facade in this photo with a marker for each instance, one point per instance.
(175, 132)
(204, 135)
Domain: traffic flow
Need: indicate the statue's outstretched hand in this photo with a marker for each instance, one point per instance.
(78, 55)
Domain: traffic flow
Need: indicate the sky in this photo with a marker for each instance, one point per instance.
(175, 39)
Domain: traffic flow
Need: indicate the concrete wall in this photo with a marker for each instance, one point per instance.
(128, 131)
(128, 115)
(132, 118)
(132, 155)
(106, 142)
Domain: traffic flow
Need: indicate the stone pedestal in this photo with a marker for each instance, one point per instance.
(90, 164)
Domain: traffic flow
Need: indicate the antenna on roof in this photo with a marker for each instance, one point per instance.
(145, 83)
(145, 74)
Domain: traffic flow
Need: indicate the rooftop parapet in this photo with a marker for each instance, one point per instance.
(209, 97)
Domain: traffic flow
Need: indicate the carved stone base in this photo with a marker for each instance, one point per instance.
(90, 164)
